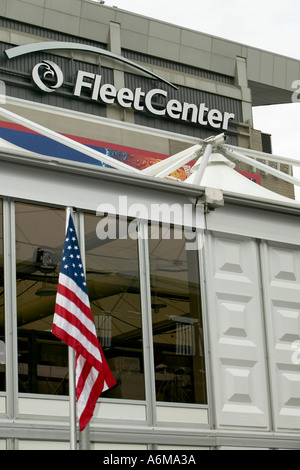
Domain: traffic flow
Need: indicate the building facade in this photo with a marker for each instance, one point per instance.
(195, 300)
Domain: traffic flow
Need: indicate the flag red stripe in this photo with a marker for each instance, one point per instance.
(103, 367)
(77, 345)
(74, 321)
(88, 411)
(71, 295)
(81, 380)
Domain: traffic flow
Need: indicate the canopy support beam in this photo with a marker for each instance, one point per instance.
(228, 152)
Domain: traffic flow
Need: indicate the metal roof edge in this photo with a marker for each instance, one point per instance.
(103, 173)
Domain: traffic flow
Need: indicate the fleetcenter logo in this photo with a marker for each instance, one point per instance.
(49, 77)
(45, 70)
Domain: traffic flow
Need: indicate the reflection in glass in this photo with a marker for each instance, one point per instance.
(176, 319)
(43, 360)
(112, 273)
(2, 325)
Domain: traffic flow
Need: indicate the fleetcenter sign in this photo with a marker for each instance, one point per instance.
(155, 101)
(127, 98)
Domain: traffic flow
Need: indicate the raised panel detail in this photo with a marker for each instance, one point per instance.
(282, 265)
(286, 318)
(236, 331)
(281, 280)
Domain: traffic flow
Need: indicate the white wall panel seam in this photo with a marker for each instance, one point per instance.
(264, 295)
(203, 260)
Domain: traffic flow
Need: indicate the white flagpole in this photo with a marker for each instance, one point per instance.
(84, 436)
(72, 382)
(72, 399)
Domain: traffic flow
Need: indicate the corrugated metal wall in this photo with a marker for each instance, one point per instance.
(194, 130)
(46, 33)
(175, 66)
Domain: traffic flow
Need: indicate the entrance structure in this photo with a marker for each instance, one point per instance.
(192, 267)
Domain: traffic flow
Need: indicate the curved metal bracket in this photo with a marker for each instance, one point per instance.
(61, 45)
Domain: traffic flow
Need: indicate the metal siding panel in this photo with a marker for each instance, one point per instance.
(62, 101)
(189, 95)
(178, 127)
(281, 276)
(44, 32)
(236, 332)
(170, 65)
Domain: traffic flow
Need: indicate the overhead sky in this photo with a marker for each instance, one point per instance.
(272, 25)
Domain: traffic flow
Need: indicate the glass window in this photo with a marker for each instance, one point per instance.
(112, 272)
(176, 318)
(2, 324)
(42, 359)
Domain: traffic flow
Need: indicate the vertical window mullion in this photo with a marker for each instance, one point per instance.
(10, 302)
(144, 266)
(203, 258)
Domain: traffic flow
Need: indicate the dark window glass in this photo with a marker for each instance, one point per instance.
(43, 360)
(112, 273)
(176, 319)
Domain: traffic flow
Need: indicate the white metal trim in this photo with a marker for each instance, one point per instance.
(145, 289)
(10, 306)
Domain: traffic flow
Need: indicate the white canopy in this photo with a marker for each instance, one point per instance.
(220, 174)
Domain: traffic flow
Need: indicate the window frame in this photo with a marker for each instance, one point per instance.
(9, 235)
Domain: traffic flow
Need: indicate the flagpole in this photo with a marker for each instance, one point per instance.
(84, 436)
(89, 372)
(72, 381)
(72, 399)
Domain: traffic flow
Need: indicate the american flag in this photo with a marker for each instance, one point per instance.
(73, 324)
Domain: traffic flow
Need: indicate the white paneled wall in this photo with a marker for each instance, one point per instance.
(236, 332)
(253, 303)
(281, 281)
